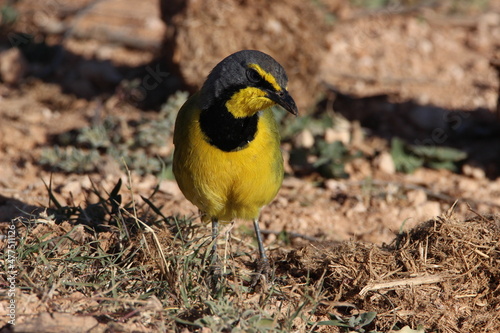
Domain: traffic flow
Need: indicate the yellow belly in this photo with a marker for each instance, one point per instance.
(227, 185)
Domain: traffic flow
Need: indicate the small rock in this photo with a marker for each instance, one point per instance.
(335, 185)
(332, 135)
(473, 171)
(490, 18)
(425, 46)
(385, 163)
(304, 139)
(359, 167)
(359, 208)
(356, 133)
(417, 197)
(282, 201)
(13, 66)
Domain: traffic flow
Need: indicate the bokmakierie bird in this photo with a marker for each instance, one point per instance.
(227, 157)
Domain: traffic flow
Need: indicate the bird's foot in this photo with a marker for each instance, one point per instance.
(262, 273)
(214, 272)
(214, 277)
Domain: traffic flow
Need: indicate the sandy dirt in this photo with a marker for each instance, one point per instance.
(388, 73)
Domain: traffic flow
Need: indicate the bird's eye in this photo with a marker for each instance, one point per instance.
(253, 76)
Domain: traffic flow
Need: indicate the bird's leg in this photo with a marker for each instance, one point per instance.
(215, 233)
(264, 262)
(262, 251)
(214, 268)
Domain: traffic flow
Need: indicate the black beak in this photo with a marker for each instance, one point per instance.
(284, 99)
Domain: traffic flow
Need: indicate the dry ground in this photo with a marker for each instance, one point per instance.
(419, 248)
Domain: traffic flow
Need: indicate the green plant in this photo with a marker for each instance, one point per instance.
(373, 4)
(353, 323)
(8, 16)
(225, 316)
(451, 7)
(332, 158)
(70, 159)
(291, 126)
(140, 147)
(329, 157)
(407, 158)
(403, 160)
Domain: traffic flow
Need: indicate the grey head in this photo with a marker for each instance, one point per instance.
(233, 73)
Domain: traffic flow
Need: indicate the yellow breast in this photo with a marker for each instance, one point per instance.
(227, 185)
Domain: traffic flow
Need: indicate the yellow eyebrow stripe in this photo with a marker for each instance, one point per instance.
(267, 76)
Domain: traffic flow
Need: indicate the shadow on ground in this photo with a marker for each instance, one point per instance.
(475, 132)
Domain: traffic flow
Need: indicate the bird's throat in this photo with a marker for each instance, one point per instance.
(225, 131)
(247, 102)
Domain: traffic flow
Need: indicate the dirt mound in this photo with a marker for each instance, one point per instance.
(202, 33)
(443, 274)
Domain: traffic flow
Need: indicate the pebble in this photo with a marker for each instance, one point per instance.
(385, 163)
(13, 66)
(473, 171)
(304, 139)
(417, 197)
(332, 135)
(335, 185)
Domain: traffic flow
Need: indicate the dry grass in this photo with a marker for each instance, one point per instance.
(443, 274)
(136, 269)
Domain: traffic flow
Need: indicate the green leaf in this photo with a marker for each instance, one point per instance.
(438, 153)
(8, 15)
(265, 323)
(448, 165)
(333, 323)
(366, 318)
(403, 160)
(332, 170)
(332, 158)
(335, 150)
